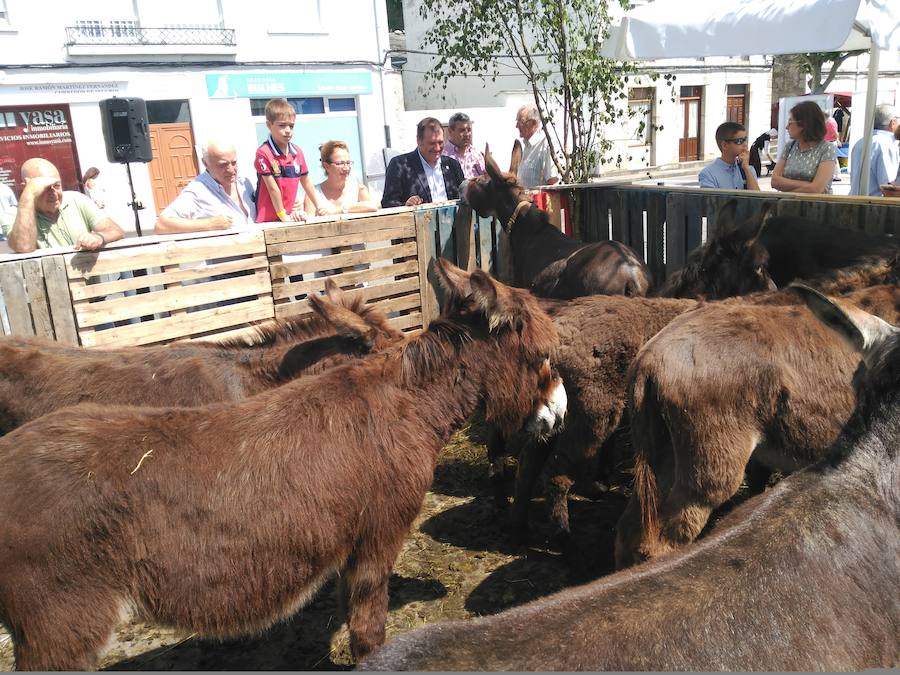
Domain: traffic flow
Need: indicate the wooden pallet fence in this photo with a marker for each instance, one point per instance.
(375, 257)
(35, 296)
(170, 290)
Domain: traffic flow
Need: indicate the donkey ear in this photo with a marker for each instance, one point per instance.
(516, 159)
(333, 291)
(344, 321)
(492, 169)
(451, 278)
(495, 300)
(861, 330)
(725, 217)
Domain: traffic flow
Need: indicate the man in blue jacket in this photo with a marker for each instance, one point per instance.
(423, 175)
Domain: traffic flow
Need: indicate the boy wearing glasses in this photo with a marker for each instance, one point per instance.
(281, 168)
(732, 170)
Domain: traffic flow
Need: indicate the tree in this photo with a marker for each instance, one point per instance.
(813, 64)
(555, 45)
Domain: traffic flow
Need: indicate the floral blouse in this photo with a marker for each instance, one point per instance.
(803, 164)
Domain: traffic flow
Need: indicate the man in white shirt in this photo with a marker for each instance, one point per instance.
(884, 161)
(536, 167)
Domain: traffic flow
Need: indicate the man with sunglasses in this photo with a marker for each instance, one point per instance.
(732, 170)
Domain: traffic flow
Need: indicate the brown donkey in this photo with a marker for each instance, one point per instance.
(804, 577)
(38, 376)
(719, 384)
(224, 519)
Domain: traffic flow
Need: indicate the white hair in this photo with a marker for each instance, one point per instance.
(217, 143)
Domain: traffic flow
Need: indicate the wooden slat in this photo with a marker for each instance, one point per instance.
(676, 235)
(412, 301)
(171, 275)
(364, 237)
(425, 246)
(12, 283)
(369, 294)
(656, 206)
(337, 228)
(464, 231)
(61, 313)
(446, 243)
(281, 289)
(170, 299)
(37, 297)
(85, 264)
(329, 262)
(171, 327)
(486, 243)
(406, 322)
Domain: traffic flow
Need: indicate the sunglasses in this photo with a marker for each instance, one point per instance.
(736, 141)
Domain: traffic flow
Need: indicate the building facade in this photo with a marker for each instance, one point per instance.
(205, 69)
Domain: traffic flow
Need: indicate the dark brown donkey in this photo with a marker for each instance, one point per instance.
(38, 376)
(599, 337)
(224, 519)
(544, 259)
(719, 384)
(805, 577)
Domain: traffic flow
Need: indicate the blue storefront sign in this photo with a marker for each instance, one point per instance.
(257, 85)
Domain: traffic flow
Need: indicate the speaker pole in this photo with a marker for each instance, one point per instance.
(135, 204)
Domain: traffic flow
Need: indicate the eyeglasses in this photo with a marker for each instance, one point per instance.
(736, 141)
(341, 164)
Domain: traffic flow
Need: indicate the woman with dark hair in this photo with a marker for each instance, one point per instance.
(807, 164)
(91, 189)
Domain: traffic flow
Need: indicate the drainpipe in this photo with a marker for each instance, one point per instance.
(381, 59)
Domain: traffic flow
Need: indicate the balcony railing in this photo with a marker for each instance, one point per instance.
(123, 33)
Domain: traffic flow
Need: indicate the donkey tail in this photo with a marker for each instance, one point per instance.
(649, 437)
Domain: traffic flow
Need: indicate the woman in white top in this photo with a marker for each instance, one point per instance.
(96, 192)
(341, 192)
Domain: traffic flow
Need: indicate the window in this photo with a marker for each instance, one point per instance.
(341, 104)
(168, 112)
(639, 123)
(313, 105)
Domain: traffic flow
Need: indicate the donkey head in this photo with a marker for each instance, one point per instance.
(521, 389)
(733, 262)
(494, 193)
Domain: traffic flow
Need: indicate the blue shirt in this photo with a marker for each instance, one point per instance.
(719, 174)
(203, 197)
(883, 166)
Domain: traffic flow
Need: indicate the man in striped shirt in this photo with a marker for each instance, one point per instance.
(459, 145)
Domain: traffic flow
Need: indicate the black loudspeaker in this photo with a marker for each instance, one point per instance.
(125, 130)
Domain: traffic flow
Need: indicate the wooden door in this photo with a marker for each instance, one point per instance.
(735, 109)
(174, 164)
(689, 143)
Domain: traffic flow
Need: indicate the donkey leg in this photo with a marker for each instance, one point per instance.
(497, 451)
(65, 632)
(365, 584)
(707, 474)
(531, 458)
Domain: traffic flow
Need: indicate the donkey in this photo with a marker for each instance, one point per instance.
(717, 385)
(803, 577)
(224, 519)
(766, 251)
(38, 376)
(544, 259)
(599, 337)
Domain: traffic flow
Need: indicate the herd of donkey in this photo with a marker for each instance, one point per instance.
(216, 487)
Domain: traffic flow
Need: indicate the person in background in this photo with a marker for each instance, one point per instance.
(281, 169)
(884, 158)
(892, 189)
(92, 189)
(807, 163)
(422, 176)
(341, 192)
(833, 136)
(459, 146)
(47, 216)
(215, 200)
(8, 201)
(731, 170)
(536, 167)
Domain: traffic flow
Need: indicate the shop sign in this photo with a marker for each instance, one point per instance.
(28, 131)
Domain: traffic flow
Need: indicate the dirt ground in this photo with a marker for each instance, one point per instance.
(459, 561)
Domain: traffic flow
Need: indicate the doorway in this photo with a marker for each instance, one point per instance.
(174, 162)
(736, 107)
(689, 143)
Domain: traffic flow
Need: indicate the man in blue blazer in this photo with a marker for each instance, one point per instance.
(423, 175)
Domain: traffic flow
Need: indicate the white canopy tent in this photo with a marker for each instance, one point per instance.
(678, 29)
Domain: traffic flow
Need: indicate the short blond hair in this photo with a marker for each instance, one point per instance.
(277, 108)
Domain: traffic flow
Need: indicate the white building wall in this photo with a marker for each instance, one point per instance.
(284, 44)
